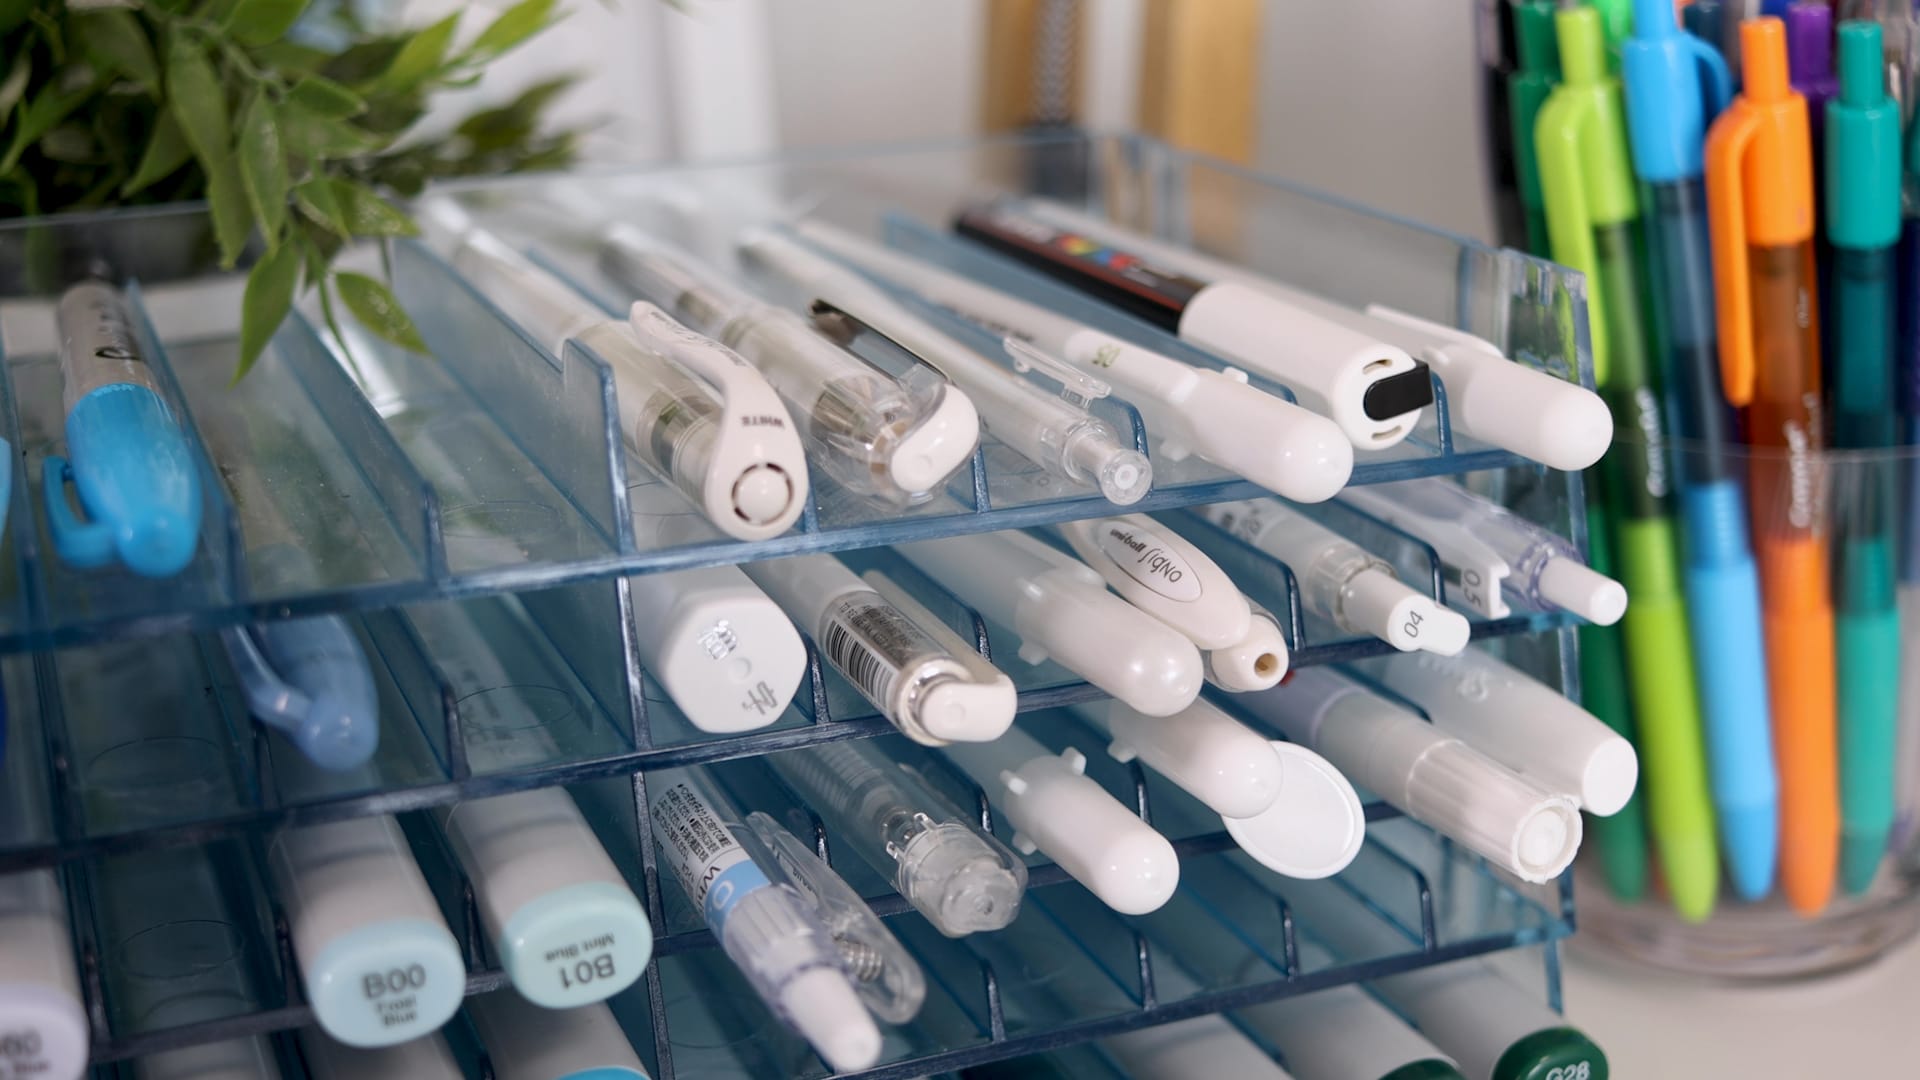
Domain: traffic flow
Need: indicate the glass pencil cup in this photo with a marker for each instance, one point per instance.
(1769, 671)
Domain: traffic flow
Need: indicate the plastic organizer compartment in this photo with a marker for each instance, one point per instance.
(493, 466)
(473, 514)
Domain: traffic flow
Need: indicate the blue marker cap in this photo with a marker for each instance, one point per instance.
(1675, 84)
(309, 678)
(136, 478)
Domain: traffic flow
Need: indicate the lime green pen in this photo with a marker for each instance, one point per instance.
(1527, 90)
(1622, 838)
(1592, 213)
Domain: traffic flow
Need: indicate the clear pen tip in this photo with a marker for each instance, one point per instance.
(1123, 474)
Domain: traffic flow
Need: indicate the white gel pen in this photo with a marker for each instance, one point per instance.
(1160, 572)
(896, 439)
(565, 924)
(1061, 610)
(1342, 581)
(925, 680)
(1426, 772)
(1486, 547)
(775, 931)
(721, 648)
(691, 409)
(1063, 438)
(525, 1042)
(424, 1058)
(377, 960)
(1214, 415)
(1518, 721)
(1554, 421)
(963, 880)
(43, 1025)
(1068, 817)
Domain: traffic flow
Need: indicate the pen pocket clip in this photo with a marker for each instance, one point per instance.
(270, 698)
(1076, 386)
(80, 543)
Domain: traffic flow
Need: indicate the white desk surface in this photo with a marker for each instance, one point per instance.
(1654, 1026)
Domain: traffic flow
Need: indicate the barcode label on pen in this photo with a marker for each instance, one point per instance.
(871, 643)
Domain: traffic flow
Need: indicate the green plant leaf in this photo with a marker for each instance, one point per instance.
(291, 58)
(70, 143)
(117, 42)
(367, 214)
(264, 306)
(421, 56)
(40, 113)
(308, 135)
(322, 96)
(515, 25)
(227, 200)
(263, 167)
(197, 102)
(166, 151)
(14, 86)
(257, 22)
(13, 13)
(315, 199)
(375, 306)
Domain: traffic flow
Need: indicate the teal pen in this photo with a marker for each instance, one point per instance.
(1667, 76)
(1863, 225)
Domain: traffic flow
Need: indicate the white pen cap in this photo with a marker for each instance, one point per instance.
(526, 1042)
(1070, 818)
(425, 1058)
(1207, 1046)
(1206, 753)
(1523, 724)
(724, 651)
(1341, 1033)
(40, 1009)
(1402, 616)
(1314, 829)
(1163, 574)
(1583, 590)
(1432, 776)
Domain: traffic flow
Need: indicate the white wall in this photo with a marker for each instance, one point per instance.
(864, 70)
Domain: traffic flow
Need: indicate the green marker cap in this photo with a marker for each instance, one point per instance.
(1559, 1053)
(1528, 87)
(1863, 147)
(1616, 23)
(1430, 1069)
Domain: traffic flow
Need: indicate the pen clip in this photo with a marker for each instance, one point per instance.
(882, 973)
(270, 697)
(1716, 82)
(1557, 137)
(1727, 143)
(80, 543)
(1076, 386)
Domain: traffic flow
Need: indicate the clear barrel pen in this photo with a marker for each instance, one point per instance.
(962, 879)
(1215, 415)
(1064, 439)
(1674, 85)
(895, 439)
(1490, 549)
(921, 676)
(689, 407)
(1341, 581)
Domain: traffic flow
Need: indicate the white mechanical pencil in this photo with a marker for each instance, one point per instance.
(1215, 415)
(1060, 609)
(1342, 581)
(1064, 439)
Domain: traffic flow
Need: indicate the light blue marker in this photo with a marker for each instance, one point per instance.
(309, 679)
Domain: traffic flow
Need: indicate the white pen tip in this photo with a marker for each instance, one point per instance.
(1255, 662)
(1584, 591)
(830, 1016)
(1383, 605)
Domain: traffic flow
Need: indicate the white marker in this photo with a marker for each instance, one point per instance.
(897, 439)
(1192, 410)
(720, 647)
(565, 924)
(1342, 1033)
(1057, 435)
(1489, 397)
(920, 675)
(1160, 572)
(1283, 804)
(692, 409)
(1068, 817)
(1373, 389)
(1523, 724)
(524, 1042)
(1423, 770)
(1061, 610)
(1486, 547)
(235, 1059)
(1184, 1049)
(1342, 581)
(43, 1025)
(379, 965)
(425, 1058)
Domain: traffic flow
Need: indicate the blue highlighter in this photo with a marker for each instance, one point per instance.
(127, 458)
(309, 679)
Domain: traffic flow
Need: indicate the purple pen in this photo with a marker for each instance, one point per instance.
(1810, 62)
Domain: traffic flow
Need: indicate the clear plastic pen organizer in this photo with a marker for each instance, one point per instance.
(474, 516)
(1828, 544)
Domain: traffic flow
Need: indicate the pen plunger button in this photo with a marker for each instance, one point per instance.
(1584, 591)
(762, 494)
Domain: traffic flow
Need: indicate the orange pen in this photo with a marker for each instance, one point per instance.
(1760, 199)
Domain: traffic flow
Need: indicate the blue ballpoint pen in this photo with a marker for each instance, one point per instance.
(1669, 104)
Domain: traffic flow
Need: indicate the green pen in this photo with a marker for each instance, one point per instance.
(1863, 224)
(1527, 90)
(1622, 838)
(1592, 216)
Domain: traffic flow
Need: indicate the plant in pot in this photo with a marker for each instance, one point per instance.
(294, 128)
